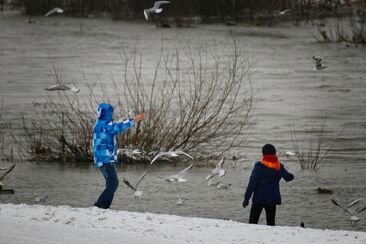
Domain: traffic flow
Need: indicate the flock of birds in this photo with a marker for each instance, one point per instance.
(156, 9)
(179, 177)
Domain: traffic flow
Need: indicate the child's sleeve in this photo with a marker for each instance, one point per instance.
(286, 175)
(253, 182)
(118, 128)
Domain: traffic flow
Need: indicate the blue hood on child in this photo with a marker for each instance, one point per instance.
(105, 112)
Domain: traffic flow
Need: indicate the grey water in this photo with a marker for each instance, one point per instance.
(287, 92)
(66, 184)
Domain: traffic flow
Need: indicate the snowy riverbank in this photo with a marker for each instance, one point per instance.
(63, 224)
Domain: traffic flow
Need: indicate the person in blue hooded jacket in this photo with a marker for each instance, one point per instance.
(105, 133)
(264, 186)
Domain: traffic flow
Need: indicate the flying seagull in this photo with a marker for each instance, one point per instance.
(170, 154)
(318, 63)
(179, 177)
(137, 193)
(359, 200)
(62, 87)
(7, 171)
(54, 11)
(218, 170)
(283, 12)
(155, 9)
(2, 176)
(354, 219)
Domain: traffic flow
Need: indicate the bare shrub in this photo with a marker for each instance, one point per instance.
(6, 147)
(348, 27)
(311, 157)
(198, 100)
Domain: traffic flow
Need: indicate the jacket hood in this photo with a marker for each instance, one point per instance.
(105, 112)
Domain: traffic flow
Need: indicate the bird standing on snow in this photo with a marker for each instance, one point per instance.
(155, 9)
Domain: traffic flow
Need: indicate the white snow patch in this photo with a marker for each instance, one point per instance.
(63, 224)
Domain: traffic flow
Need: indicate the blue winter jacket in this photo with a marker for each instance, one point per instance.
(105, 135)
(264, 183)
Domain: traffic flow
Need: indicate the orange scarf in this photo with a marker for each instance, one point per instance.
(271, 161)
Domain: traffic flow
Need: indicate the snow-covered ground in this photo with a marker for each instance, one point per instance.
(63, 224)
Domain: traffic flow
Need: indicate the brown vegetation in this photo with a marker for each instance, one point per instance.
(195, 101)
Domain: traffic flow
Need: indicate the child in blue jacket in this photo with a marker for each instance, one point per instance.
(265, 187)
(104, 148)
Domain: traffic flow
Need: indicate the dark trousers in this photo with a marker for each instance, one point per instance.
(256, 210)
(111, 184)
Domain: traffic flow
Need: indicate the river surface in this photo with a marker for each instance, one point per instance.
(287, 91)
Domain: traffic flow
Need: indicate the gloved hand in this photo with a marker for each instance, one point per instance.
(245, 203)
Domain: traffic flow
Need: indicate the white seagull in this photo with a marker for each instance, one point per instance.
(170, 154)
(137, 193)
(62, 87)
(128, 152)
(218, 170)
(283, 12)
(354, 219)
(221, 185)
(54, 11)
(38, 199)
(318, 63)
(359, 200)
(155, 9)
(179, 177)
(2, 176)
(287, 154)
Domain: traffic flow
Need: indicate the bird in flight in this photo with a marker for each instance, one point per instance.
(155, 9)
(2, 176)
(218, 170)
(354, 219)
(137, 193)
(283, 12)
(179, 177)
(54, 11)
(175, 153)
(62, 87)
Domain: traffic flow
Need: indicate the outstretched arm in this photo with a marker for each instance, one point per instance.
(285, 174)
(119, 127)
